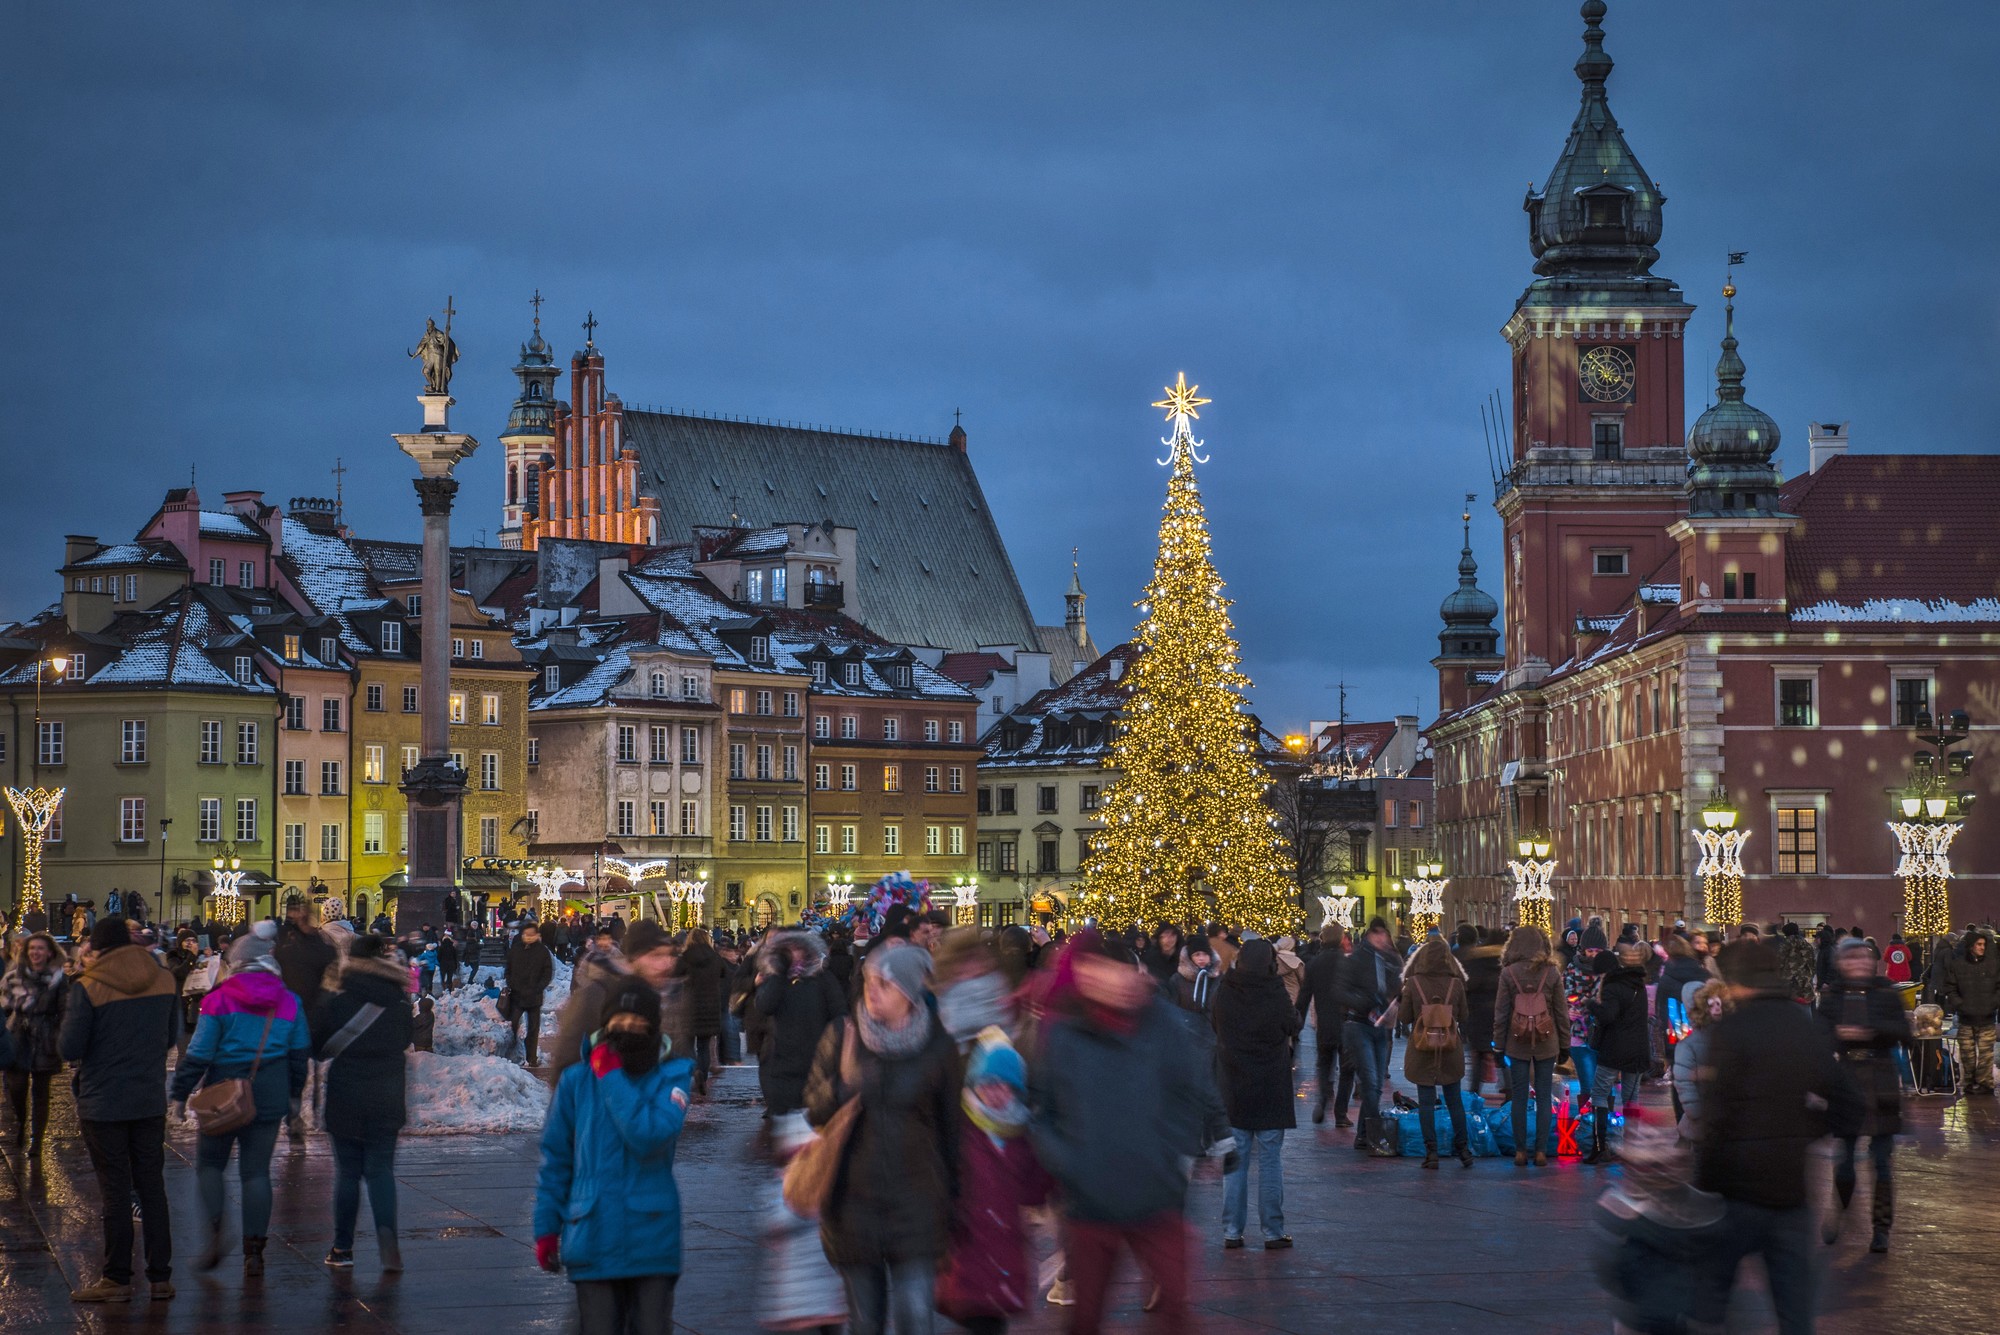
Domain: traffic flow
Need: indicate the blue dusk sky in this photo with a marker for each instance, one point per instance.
(226, 223)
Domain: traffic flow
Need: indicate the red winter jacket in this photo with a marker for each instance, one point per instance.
(988, 1271)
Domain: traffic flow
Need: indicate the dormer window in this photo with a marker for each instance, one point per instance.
(552, 678)
(851, 674)
(392, 637)
(658, 685)
(778, 585)
(819, 672)
(760, 648)
(753, 586)
(1605, 209)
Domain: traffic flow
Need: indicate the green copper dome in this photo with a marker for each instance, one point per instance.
(1731, 445)
(1468, 610)
(1599, 213)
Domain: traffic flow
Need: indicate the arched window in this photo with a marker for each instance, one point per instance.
(659, 685)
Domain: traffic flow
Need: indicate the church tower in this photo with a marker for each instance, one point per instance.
(1597, 469)
(1468, 645)
(1073, 625)
(529, 437)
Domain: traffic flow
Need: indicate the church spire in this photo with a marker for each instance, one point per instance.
(1073, 605)
(1468, 611)
(1731, 446)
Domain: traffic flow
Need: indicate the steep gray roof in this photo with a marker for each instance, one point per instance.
(932, 567)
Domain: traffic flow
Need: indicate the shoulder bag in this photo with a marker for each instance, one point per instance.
(809, 1177)
(227, 1105)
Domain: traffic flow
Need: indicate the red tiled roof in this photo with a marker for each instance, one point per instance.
(1895, 526)
(972, 669)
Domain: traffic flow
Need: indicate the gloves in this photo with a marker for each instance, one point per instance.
(604, 1060)
(548, 1253)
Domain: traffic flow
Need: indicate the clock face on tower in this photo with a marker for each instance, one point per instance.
(1605, 374)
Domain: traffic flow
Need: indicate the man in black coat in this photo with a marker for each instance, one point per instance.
(1370, 980)
(122, 1018)
(304, 956)
(1864, 1011)
(797, 997)
(529, 972)
(1768, 1073)
(1971, 991)
(1319, 993)
(1621, 1037)
(701, 969)
(361, 1033)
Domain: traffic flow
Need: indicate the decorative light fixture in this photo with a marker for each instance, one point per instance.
(1533, 896)
(965, 898)
(635, 872)
(1339, 910)
(839, 889)
(35, 808)
(1721, 867)
(226, 902)
(1426, 890)
(1933, 814)
(551, 881)
(691, 892)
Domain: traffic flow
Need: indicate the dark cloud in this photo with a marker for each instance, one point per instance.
(224, 224)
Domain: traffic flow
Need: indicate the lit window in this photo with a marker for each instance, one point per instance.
(291, 648)
(1798, 841)
(371, 764)
(739, 700)
(458, 706)
(892, 778)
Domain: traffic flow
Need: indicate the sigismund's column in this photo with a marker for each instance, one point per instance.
(435, 786)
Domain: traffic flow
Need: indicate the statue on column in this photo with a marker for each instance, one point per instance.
(438, 353)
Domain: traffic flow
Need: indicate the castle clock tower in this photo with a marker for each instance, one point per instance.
(1598, 469)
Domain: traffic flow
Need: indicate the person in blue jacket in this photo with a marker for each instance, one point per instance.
(251, 1027)
(607, 1208)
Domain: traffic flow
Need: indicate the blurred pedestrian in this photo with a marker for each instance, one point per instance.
(1254, 1024)
(1479, 956)
(1971, 991)
(1707, 1004)
(799, 1290)
(119, 1020)
(251, 1028)
(1865, 1012)
(1194, 980)
(1370, 981)
(1527, 1014)
(1434, 998)
(1319, 996)
(972, 993)
(797, 998)
(360, 1033)
(1581, 976)
(1122, 1098)
(305, 956)
(1770, 1088)
(607, 1207)
(530, 969)
(887, 1220)
(701, 974)
(1291, 969)
(1623, 1040)
(988, 1274)
(32, 995)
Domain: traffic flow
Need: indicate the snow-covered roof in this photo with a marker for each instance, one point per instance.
(132, 554)
(1660, 593)
(170, 648)
(226, 524)
(1936, 610)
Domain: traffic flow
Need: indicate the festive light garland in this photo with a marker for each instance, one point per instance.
(551, 880)
(1426, 905)
(226, 904)
(35, 808)
(1721, 872)
(1532, 893)
(1187, 835)
(1926, 871)
(1338, 910)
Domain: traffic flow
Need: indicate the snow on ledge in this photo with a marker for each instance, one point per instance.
(1902, 609)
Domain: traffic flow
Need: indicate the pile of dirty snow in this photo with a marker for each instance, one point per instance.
(448, 1095)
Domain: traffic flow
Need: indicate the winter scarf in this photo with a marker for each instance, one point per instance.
(974, 1004)
(903, 968)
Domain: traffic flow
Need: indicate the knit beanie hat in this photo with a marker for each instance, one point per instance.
(643, 937)
(253, 946)
(1853, 945)
(905, 968)
(994, 1057)
(635, 998)
(110, 934)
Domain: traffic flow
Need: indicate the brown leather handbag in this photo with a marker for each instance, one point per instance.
(809, 1177)
(226, 1105)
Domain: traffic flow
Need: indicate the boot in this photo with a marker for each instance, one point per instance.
(392, 1253)
(1600, 1152)
(211, 1247)
(1520, 1158)
(1431, 1157)
(253, 1257)
(1319, 1111)
(1880, 1242)
(1465, 1154)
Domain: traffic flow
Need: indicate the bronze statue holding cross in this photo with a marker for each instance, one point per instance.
(438, 353)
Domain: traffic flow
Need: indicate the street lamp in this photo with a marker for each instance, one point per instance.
(839, 890)
(1933, 813)
(965, 895)
(226, 902)
(1721, 867)
(1533, 897)
(1426, 897)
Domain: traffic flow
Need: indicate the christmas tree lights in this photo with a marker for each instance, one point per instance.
(1187, 836)
(35, 808)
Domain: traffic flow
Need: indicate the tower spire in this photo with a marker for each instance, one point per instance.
(1731, 445)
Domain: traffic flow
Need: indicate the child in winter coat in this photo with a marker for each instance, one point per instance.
(987, 1277)
(423, 1026)
(607, 1207)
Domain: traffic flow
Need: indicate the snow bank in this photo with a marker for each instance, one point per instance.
(469, 1023)
(449, 1095)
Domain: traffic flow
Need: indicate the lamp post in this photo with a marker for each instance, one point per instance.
(1932, 815)
(1721, 867)
(1533, 898)
(35, 806)
(435, 786)
(166, 822)
(1426, 897)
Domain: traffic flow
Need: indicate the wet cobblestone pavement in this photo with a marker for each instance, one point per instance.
(1381, 1245)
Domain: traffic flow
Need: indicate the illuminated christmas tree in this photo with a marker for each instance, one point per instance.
(1187, 836)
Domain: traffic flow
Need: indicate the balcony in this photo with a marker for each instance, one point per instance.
(824, 594)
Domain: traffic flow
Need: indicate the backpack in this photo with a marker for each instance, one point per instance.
(1437, 1028)
(1531, 1024)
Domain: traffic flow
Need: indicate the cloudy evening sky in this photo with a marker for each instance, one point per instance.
(224, 224)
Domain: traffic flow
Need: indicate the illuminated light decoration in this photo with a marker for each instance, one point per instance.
(1339, 910)
(1721, 872)
(551, 880)
(1926, 871)
(636, 872)
(691, 892)
(1933, 814)
(1533, 896)
(839, 890)
(35, 808)
(1426, 898)
(1185, 785)
(965, 899)
(225, 905)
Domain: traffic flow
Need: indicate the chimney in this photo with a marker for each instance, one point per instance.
(77, 547)
(244, 503)
(1824, 441)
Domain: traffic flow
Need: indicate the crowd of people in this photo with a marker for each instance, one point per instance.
(944, 1105)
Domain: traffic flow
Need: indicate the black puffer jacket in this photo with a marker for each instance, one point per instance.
(1254, 1024)
(1877, 1006)
(797, 999)
(1369, 980)
(1622, 1041)
(1482, 990)
(702, 969)
(1972, 979)
(1769, 1069)
(365, 1083)
(530, 968)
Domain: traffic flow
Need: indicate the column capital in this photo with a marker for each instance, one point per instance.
(434, 494)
